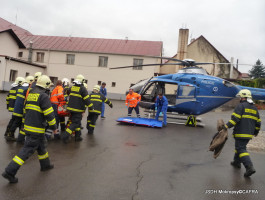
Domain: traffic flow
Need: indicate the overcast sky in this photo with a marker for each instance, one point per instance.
(236, 28)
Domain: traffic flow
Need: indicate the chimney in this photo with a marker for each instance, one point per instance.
(30, 51)
(182, 44)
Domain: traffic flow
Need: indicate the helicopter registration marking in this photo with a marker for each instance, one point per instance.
(208, 82)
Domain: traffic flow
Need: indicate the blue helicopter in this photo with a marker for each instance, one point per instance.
(190, 91)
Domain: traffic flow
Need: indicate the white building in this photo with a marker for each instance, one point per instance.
(65, 57)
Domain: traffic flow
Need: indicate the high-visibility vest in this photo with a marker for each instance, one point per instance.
(132, 99)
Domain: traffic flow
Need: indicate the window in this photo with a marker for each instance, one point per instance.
(70, 59)
(40, 57)
(20, 54)
(54, 79)
(103, 61)
(27, 74)
(138, 62)
(99, 82)
(113, 84)
(13, 75)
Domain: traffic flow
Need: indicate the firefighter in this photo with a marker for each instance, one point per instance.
(132, 100)
(78, 99)
(97, 99)
(10, 102)
(66, 88)
(38, 113)
(161, 106)
(26, 86)
(246, 122)
(57, 96)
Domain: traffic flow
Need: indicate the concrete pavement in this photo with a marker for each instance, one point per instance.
(123, 162)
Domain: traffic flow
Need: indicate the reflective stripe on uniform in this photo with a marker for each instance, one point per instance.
(95, 111)
(22, 132)
(48, 111)
(69, 131)
(96, 100)
(17, 114)
(12, 91)
(86, 97)
(92, 125)
(236, 115)
(257, 128)
(78, 129)
(250, 117)
(11, 109)
(251, 111)
(41, 157)
(77, 95)
(243, 154)
(52, 122)
(90, 105)
(232, 122)
(18, 160)
(12, 97)
(34, 129)
(95, 96)
(33, 107)
(20, 95)
(243, 135)
(73, 109)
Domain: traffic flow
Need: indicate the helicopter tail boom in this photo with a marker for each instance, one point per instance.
(257, 93)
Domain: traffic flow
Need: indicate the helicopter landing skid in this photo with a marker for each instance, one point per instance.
(183, 123)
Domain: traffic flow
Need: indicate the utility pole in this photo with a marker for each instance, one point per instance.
(231, 68)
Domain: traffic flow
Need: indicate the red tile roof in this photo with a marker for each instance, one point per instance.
(92, 45)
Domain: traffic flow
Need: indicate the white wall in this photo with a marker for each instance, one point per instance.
(8, 45)
(7, 65)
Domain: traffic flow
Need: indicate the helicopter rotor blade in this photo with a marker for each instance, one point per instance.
(146, 65)
(168, 58)
(203, 63)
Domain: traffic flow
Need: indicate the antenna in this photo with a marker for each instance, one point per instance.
(16, 17)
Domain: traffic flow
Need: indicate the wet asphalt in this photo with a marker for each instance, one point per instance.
(124, 162)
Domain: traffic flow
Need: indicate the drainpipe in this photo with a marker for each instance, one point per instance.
(30, 52)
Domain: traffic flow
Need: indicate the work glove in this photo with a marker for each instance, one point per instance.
(111, 105)
(256, 133)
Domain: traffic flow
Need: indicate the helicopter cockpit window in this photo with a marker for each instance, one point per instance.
(171, 92)
(151, 91)
(228, 84)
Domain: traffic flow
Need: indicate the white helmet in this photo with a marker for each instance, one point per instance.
(37, 75)
(80, 78)
(44, 81)
(29, 79)
(245, 93)
(96, 87)
(65, 81)
(20, 80)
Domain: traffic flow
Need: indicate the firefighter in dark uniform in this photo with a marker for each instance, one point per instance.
(97, 99)
(78, 101)
(38, 113)
(20, 104)
(10, 102)
(18, 108)
(246, 122)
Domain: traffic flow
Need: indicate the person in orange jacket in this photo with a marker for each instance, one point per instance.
(57, 96)
(132, 100)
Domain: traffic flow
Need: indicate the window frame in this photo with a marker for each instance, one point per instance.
(103, 61)
(70, 59)
(40, 57)
(138, 61)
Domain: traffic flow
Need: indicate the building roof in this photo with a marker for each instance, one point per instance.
(18, 41)
(91, 45)
(245, 75)
(23, 61)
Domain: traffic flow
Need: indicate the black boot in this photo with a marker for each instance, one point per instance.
(249, 171)
(45, 165)
(236, 164)
(10, 178)
(10, 136)
(78, 137)
(43, 169)
(7, 131)
(21, 138)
